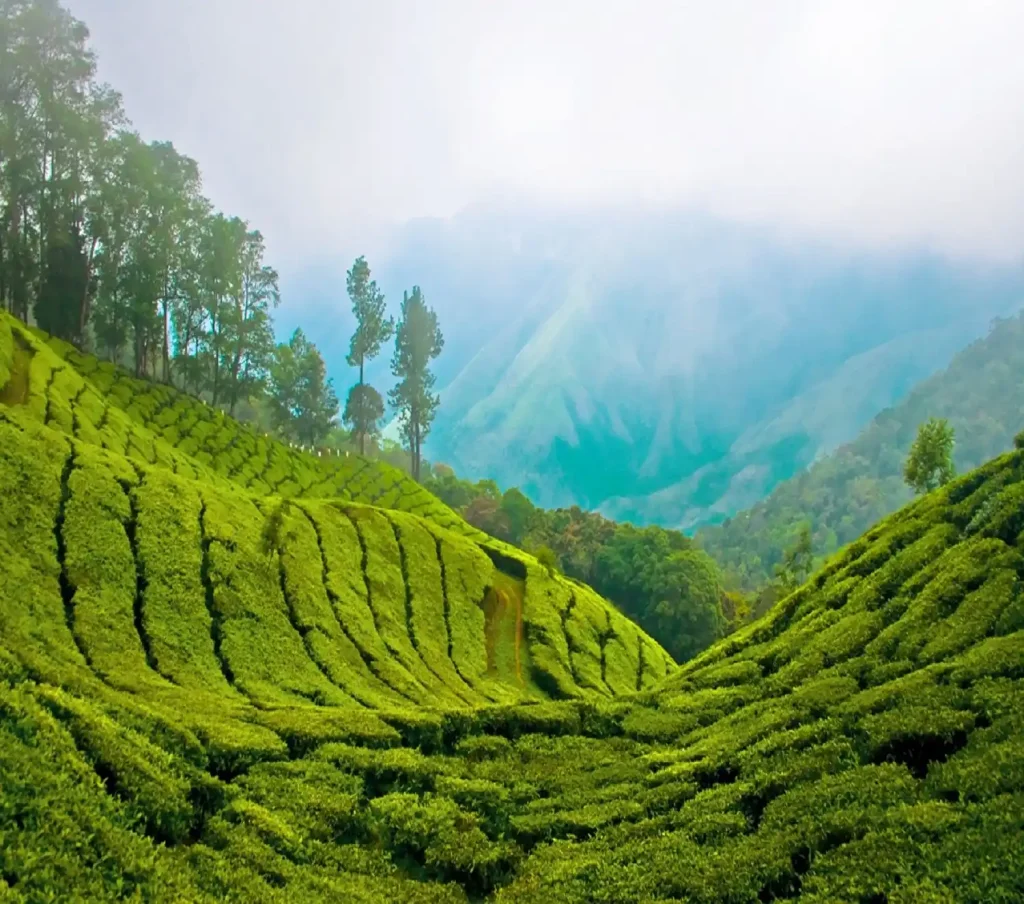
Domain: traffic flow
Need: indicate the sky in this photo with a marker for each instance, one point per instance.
(327, 122)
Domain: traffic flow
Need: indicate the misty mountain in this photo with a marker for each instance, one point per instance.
(670, 368)
(981, 393)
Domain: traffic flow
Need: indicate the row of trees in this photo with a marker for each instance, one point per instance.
(418, 341)
(108, 242)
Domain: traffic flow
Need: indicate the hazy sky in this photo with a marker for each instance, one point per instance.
(896, 121)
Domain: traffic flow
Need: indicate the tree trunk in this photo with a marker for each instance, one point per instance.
(3, 270)
(419, 453)
(360, 427)
(140, 352)
(236, 365)
(414, 440)
(166, 329)
(216, 365)
(187, 343)
(85, 310)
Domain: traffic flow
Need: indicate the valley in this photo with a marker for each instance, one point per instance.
(602, 482)
(229, 673)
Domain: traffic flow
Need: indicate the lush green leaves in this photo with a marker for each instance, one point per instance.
(207, 694)
(418, 341)
(305, 406)
(930, 462)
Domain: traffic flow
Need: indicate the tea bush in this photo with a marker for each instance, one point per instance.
(235, 671)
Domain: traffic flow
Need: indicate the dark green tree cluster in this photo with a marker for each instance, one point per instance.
(418, 341)
(108, 242)
(797, 561)
(303, 403)
(657, 577)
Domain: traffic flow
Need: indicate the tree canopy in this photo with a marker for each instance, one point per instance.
(365, 407)
(930, 462)
(418, 341)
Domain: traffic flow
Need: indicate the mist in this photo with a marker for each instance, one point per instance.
(327, 124)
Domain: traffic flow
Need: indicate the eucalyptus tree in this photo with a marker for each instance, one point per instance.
(250, 324)
(364, 407)
(418, 341)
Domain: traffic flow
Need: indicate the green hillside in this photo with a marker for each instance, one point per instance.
(287, 555)
(211, 691)
(843, 494)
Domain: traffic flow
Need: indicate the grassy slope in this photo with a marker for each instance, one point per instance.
(307, 588)
(180, 713)
(846, 492)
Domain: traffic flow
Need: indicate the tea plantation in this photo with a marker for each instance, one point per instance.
(235, 671)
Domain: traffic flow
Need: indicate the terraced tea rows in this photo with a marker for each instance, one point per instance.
(365, 605)
(169, 581)
(210, 694)
(102, 405)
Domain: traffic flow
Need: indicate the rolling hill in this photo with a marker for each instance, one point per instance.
(981, 392)
(211, 690)
(167, 500)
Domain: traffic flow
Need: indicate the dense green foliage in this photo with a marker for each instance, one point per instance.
(930, 462)
(303, 404)
(657, 577)
(843, 494)
(108, 243)
(211, 690)
(418, 341)
(365, 407)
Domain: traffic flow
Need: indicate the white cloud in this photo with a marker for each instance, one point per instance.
(872, 121)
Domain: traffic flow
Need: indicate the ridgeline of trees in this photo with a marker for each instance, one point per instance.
(108, 242)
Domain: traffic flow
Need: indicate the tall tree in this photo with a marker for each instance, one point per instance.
(176, 204)
(304, 405)
(364, 407)
(249, 324)
(54, 121)
(797, 561)
(122, 200)
(220, 282)
(188, 313)
(418, 341)
(930, 462)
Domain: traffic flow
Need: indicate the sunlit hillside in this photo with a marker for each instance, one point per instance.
(235, 671)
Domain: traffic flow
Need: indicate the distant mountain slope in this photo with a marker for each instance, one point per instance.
(672, 368)
(982, 394)
(861, 743)
(807, 428)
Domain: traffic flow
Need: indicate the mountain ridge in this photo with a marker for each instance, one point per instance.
(862, 481)
(705, 330)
